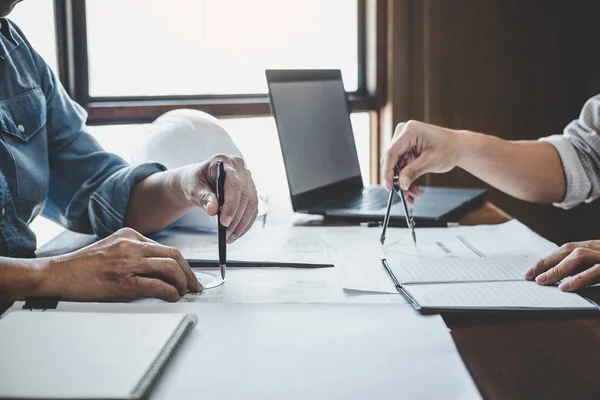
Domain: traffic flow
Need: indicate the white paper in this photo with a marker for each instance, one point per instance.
(432, 270)
(499, 295)
(79, 355)
(285, 285)
(356, 253)
(316, 351)
(465, 253)
(281, 245)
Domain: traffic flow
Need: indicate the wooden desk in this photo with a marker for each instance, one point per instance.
(512, 357)
(517, 357)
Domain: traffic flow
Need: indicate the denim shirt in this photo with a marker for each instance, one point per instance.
(49, 162)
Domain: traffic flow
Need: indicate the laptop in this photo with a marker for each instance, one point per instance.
(321, 162)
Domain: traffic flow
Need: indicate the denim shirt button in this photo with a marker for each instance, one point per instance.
(3, 212)
(21, 128)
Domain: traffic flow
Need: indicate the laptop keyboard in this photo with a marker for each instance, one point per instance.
(370, 200)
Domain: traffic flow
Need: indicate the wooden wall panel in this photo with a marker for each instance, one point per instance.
(516, 69)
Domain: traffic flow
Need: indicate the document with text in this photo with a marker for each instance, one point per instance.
(468, 267)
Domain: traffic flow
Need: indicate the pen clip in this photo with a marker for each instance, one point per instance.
(220, 184)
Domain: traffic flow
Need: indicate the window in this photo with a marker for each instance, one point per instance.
(140, 58)
(208, 47)
(260, 148)
(128, 62)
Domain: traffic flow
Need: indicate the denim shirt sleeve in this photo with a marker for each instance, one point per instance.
(89, 187)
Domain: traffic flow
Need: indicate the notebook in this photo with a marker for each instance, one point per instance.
(67, 355)
(451, 269)
(480, 294)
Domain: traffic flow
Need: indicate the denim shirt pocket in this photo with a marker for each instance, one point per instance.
(23, 126)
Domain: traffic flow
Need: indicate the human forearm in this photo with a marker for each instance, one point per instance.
(528, 170)
(156, 202)
(21, 278)
(121, 267)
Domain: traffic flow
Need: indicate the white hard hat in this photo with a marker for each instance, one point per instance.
(182, 137)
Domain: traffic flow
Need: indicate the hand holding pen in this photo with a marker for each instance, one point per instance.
(198, 184)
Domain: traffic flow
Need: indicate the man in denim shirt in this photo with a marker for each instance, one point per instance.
(51, 165)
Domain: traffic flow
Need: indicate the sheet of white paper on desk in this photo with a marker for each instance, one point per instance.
(511, 241)
(495, 295)
(286, 245)
(468, 254)
(285, 285)
(356, 253)
(311, 351)
(319, 352)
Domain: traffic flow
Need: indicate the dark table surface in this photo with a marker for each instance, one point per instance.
(513, 356)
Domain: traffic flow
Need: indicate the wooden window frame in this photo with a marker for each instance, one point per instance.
(71, 34)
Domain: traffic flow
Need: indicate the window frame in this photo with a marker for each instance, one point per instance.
(72, 58)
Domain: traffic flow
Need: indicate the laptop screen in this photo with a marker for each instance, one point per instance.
(315, 132)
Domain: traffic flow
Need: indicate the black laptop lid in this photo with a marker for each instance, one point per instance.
(315, 134)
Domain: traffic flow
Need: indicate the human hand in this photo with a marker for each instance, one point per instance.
(121, 267)
(240, 209)
(418, 148)
(580, 261)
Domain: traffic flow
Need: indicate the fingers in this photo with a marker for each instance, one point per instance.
(551, 260)
(244, 217)
(241, 199)
(577, 260)
(245, 224)
(412, 171)
(148, 288)
(404, 151)
(167, 270)
(399, 145)
(190, 282)
(413, 193)
(233, 195)
(588, 277)
(567, 261)
(129, 237)
(209, 202)
(234, 231)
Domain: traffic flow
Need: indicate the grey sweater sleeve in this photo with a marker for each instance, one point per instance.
(579, 151)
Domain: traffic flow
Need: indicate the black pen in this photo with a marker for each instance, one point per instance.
(222, 230)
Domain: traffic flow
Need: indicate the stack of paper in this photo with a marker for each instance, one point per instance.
(478, 267)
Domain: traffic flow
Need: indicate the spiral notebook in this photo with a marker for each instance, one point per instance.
(67, 355)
